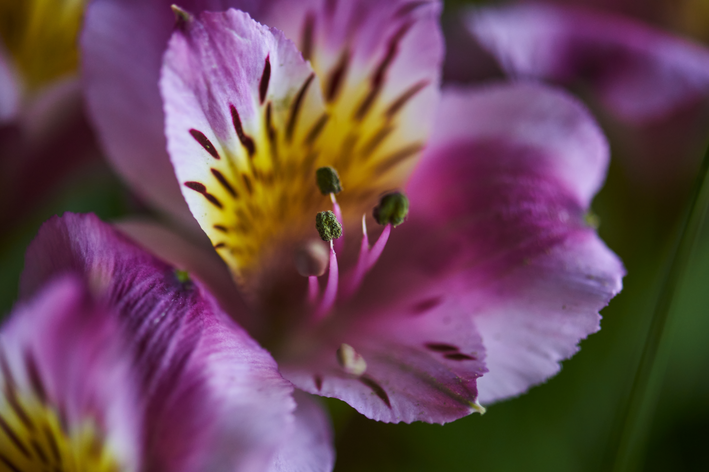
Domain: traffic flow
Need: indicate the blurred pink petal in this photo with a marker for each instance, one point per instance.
(639, 73)
(212, 399)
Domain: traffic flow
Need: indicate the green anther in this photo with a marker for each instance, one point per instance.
(392, 209)
(182, 276)
(328, 180)
(328, 226)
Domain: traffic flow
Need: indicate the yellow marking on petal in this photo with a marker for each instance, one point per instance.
(265, 177)
(41, 36)
(33, 436)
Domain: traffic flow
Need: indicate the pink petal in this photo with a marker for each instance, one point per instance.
(494, 270)
(122, 47)
(422, 356)
(61, 349)
(309, 448)
(199, 260)
(503, 191)
(213, 396)
(639, 73)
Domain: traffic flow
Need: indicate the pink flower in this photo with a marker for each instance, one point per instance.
(651, 86)
(117, 361)
(492, 280)
(44, 134)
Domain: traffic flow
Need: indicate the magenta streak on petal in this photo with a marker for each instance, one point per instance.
(330, 295)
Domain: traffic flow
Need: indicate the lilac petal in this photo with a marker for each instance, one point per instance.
(61, 349)
(506, 183)
(639, 73)
(122, 47)
(309, 448)
(422, 357)
(214, 398)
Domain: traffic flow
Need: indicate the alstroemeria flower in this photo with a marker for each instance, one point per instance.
(654, 84)
(44, 134)
(119, 362)
(493, 278)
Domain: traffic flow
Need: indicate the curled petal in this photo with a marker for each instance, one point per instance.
(212, 397)
(640, 74)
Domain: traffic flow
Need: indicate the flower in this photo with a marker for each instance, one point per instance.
(118, 361)
(491, 280)
(44, 134)
(650, 85)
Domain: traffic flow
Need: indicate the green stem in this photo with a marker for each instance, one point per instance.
(628, 451)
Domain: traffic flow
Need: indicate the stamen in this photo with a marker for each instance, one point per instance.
(328, 226)
(350, 360)
(378, 247)
(362, 262)
(328, 299)
(392, 209)
(328, 180)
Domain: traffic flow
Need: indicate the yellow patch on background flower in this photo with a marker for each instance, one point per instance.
(41, 36)
(34, 437)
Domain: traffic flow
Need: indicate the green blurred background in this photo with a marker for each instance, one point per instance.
(568, 424)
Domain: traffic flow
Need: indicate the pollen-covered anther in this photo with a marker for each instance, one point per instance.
(350, 360)
(311, 258)
(327, 225)
(392, 209)
(328, 181)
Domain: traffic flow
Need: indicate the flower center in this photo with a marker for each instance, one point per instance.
(36, 436)
(41, 36)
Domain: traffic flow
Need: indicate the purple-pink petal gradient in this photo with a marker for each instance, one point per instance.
(505, 186)
(639, 73)
(495, 273)
(61, 348)
(213, 398)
